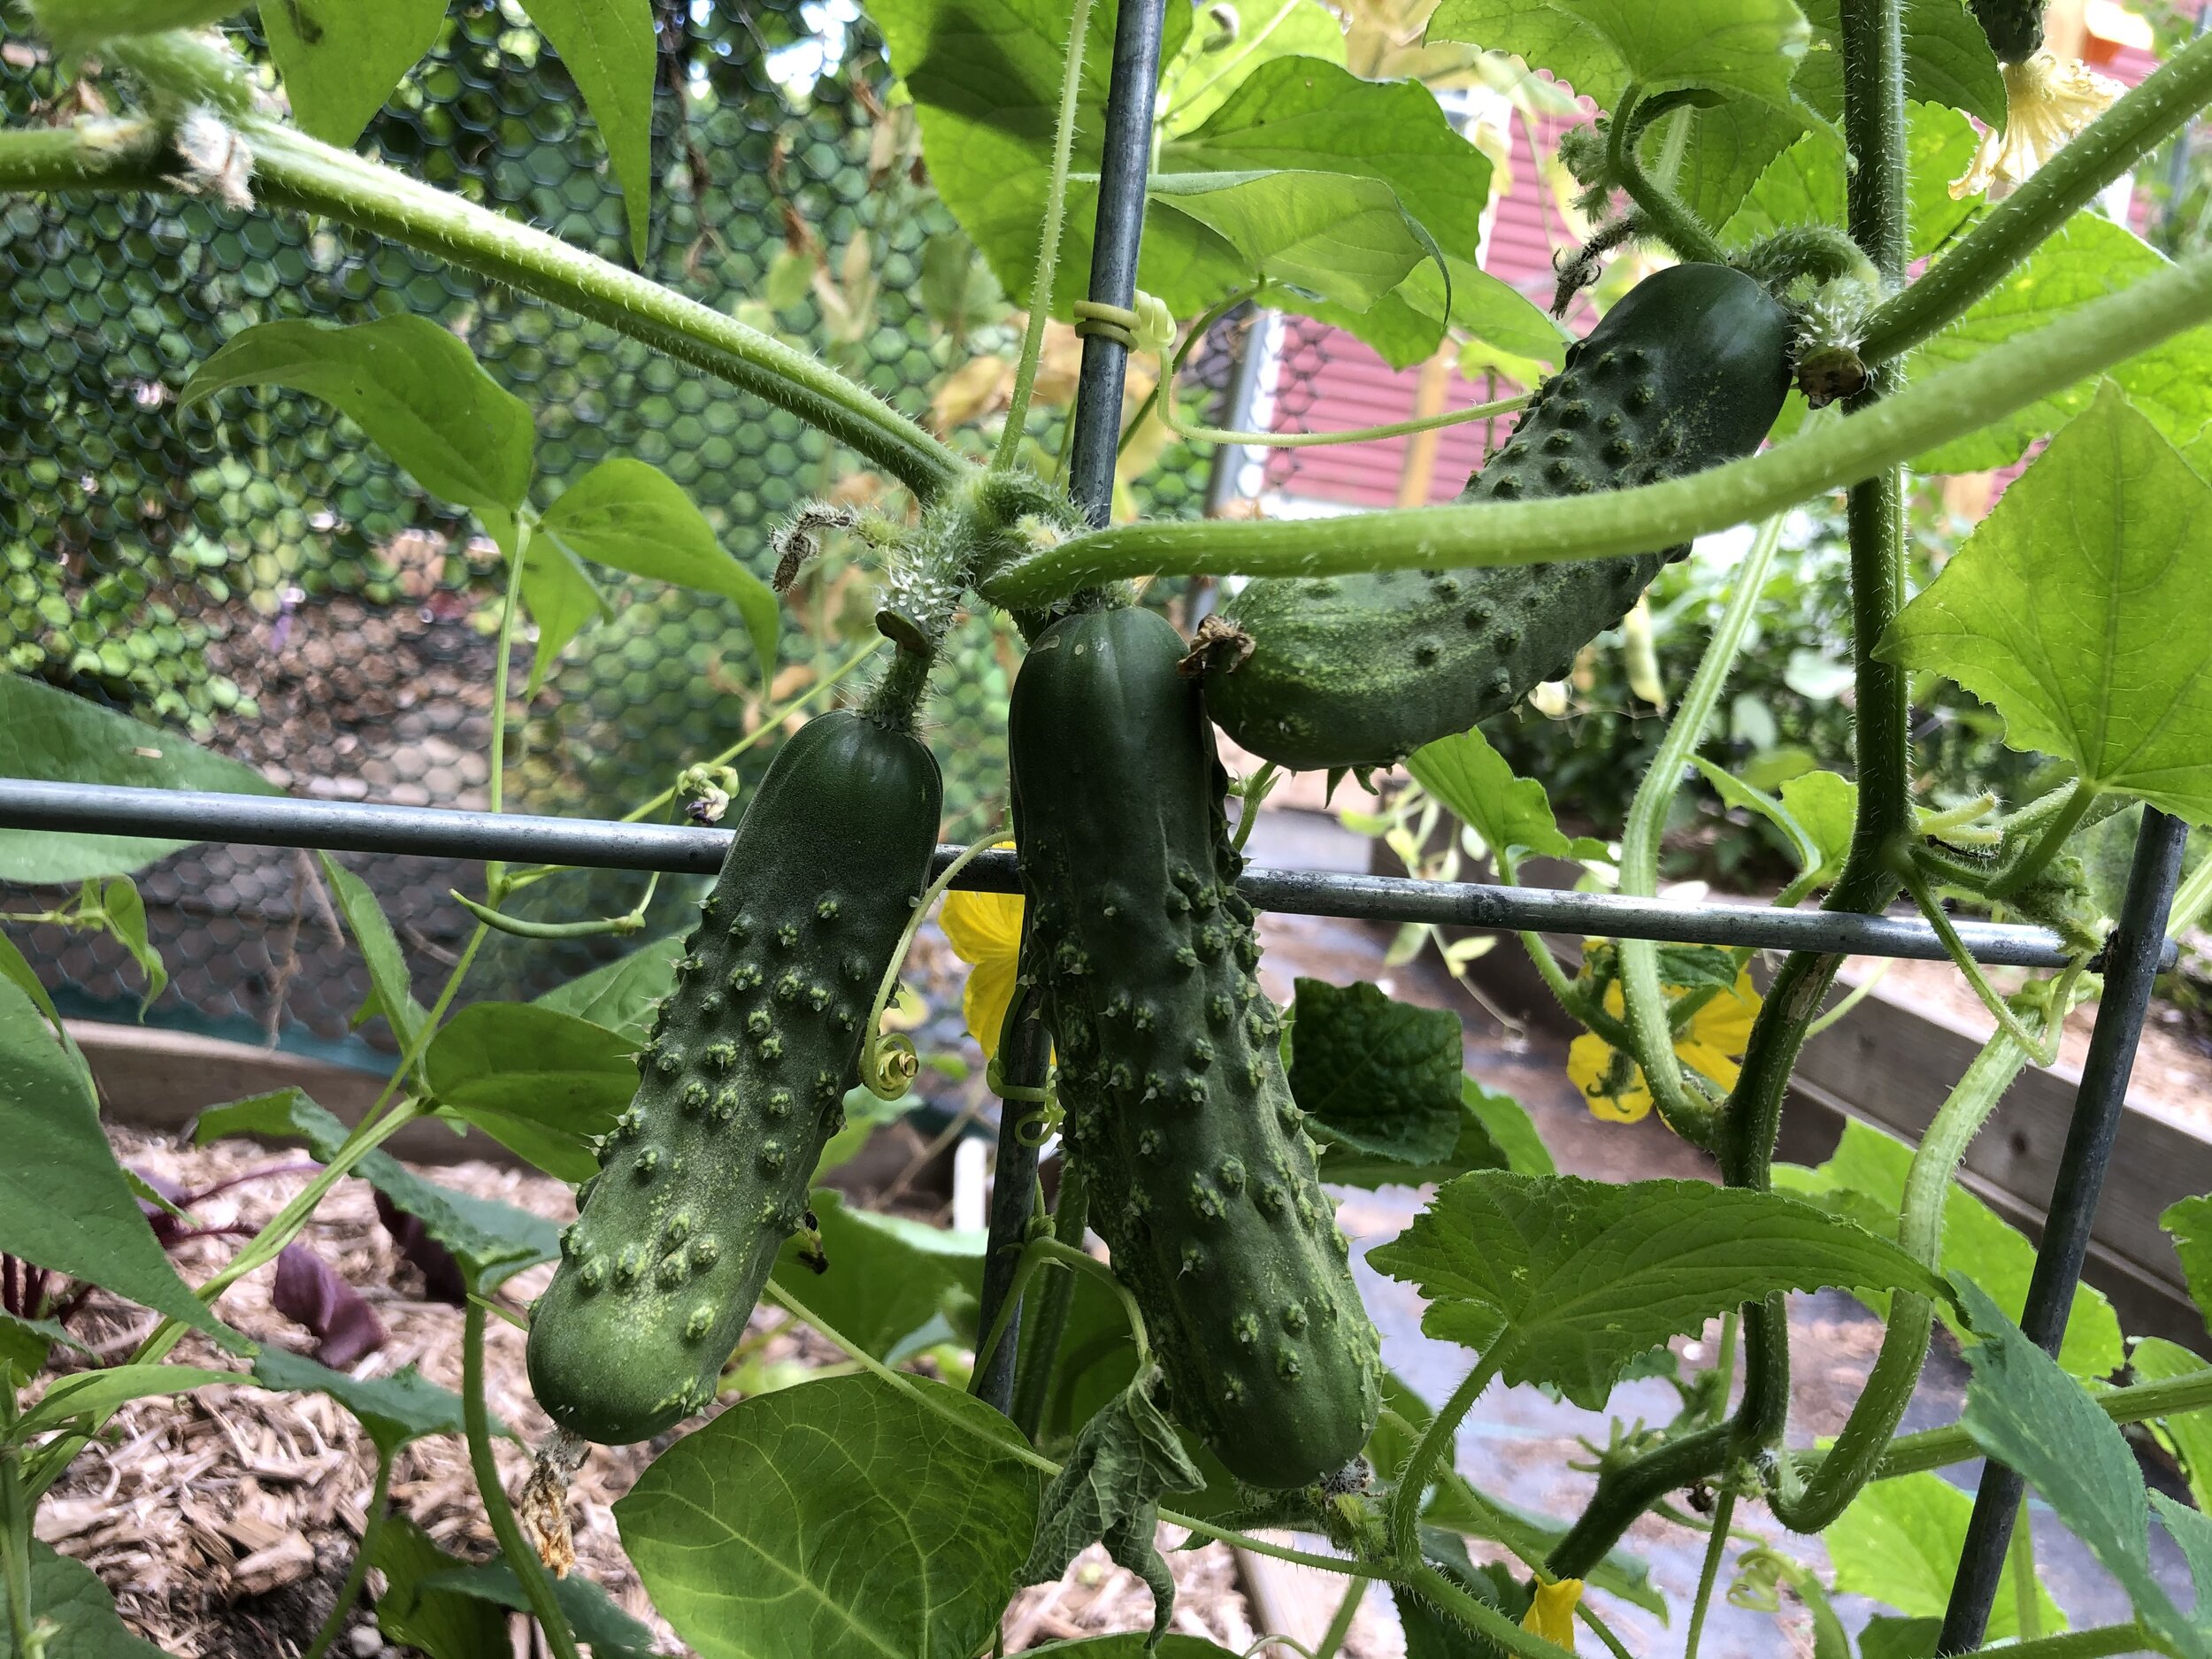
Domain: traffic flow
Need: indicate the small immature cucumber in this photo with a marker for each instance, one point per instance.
(1685, 371)
(1170, 1065)
(743, 1081)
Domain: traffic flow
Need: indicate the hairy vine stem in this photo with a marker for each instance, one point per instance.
(1664, 214)
(1858, 447)
(522, 1560)
(2107, 147)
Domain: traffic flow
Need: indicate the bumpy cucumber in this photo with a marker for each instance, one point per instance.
(2014, 28)
(743, 1081)
(1685, 371)
(1170, 1068)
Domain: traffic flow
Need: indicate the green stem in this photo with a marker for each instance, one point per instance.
(372, 1524)
(1041, 1332)
(1936, 1449)
(293, 170)
(495, 870)
(1852, 1461)
(1341, 1622)
(1715, 1548)
(1668, 218)
(1850, 1000)
(2096, 1643)
(2191, 901)
(1438, 1438)
(1871, 441)
(2027, 1607)
(1041, 285)
(15, 1529)
(1645, 1000)
(2109, 147)
(1584, 1009)
(2048, 843)
(522, 1559)
(521, 927)
(1036, 1254)
(2043, 1050)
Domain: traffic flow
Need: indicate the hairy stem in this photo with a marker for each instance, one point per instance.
(1663, 213)
(350, 1591)
(1872, 442)
(1480, 1617)
(15, 1528)
(2012, 230)
(1341, 1621)
(529, 1571)
(1041, 286)
(1708, 1571)
(1041, 1332)
(1438, 1438)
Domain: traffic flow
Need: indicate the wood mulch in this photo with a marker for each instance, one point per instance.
(225, 1520)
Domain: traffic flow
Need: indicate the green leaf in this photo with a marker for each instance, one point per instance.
(535, 1080)
(19, 974)
(490, 1240)
(1305, 115)
(1293, 233)
(1126, 1459)
(985, 75)
(391, 992)
(411, 386)
(51, 736)
(126, 921)
(2187, 1433)
(631, 517)
(1697, 967)
(592, 1613)
(25, 1345)
(2085, 259)
(888, 1277)
(608, 47)
(2190, 1221)
(623, 994)
(1727, 149)
(1804, 184)
(64, 1204)
(1825, 805)
(341, 60)
(1599, 46)
(1947, 60)
(1737, 793)
(444, 1624)
(1887, 1638)
(392, 1411)
(2076, 610)
(1863, 1179)
(70, 1596)
(1511, 1130)
(2026, 1413)
(1900, 1543)
(1378, 1076)
(1570, 1281)
(957, 287)
(1477, 787)
(72, 24)
(846, 1518)
(97, 1392)
(1205, 75)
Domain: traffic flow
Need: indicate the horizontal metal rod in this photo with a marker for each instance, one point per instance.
(438, 831)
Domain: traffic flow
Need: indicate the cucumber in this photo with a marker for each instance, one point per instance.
(1687, 371)
(1170, 1067)
(2014, 28)
(742, 1083)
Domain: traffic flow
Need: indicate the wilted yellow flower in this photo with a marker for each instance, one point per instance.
(1711, 1045)
(1552, 1614)
(2048, 99)
(985, 932)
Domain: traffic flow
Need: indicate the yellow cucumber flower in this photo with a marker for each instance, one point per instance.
(1613, 1084)
(985, 932)
(2048, 99)
(1552, 1614)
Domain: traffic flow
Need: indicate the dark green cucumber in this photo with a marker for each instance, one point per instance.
(1685, 371)
(2013, 27)
(1201, 1181)
(743, 1081)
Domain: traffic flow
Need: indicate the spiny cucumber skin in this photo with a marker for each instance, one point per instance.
(742, 1083)
(1170, 1068)
(1688, 369)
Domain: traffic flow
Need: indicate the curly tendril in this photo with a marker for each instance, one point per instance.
(888, 1061)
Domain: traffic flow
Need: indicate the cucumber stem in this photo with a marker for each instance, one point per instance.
(522, 1560)
(357, 1573)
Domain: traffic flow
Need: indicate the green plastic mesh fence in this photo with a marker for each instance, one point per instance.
(249, 568)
